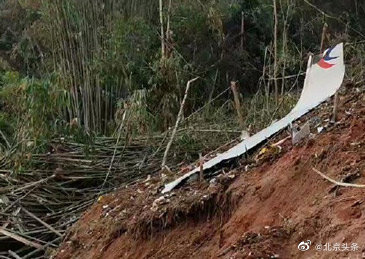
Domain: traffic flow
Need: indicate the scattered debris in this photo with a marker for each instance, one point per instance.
(313, 94)
(299, 134)
(268, 152)
(260, 222)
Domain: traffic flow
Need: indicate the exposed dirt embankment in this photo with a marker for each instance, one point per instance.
(263, 212)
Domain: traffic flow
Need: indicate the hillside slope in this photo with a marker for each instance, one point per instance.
(262, 212)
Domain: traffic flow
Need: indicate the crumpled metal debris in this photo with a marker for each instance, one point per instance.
(302, 133)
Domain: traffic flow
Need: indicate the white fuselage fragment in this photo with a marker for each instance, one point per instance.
(322, 81)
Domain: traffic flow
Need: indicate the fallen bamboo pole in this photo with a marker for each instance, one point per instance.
(42, 222)
(20, 239)
(13, 254)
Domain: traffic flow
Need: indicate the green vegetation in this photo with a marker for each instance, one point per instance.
(89, 61)
(93, 88)
(83, 69)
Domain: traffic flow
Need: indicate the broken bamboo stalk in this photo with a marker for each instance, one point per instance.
(276, 52)
(237, 103)
(323, 42)
(242, 29)
(13, 254)
(27, 186)
(42, 222)
(324, 33)
(162, 29)
(20, 239)
(335, 108)
(201, 169)
(181, 111)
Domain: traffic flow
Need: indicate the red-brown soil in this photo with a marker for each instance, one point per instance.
(264, 212)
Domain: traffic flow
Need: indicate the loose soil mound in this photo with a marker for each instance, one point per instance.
(262, 212)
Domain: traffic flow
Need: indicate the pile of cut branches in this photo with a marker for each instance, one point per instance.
(39, 203)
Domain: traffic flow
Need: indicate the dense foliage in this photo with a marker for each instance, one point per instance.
(84, 64)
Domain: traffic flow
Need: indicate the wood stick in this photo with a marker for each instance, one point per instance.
(324, 33)
(13, 254)
(276, 52)
(201, 169)
(181, 111)
(20, 239)
(281, 141)
(43, 248)
(242, 29)
(335, 102)
(115, 149)
(162, 30)
(168, 31)
(338, 183)
(335, 107)
(26, 186)
(237, 103)
(42, 222)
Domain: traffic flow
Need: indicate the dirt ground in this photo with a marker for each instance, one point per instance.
(259, 211)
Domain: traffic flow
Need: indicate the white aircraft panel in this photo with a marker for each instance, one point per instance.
(322, 81)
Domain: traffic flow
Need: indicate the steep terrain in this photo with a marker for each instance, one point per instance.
(262, 209)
